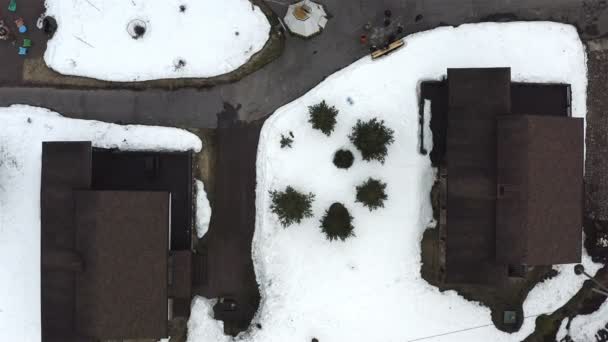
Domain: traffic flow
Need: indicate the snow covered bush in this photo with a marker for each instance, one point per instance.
(372, 138)
(372, 193)
(291, 206)
(323, 117)
(343, 159)
(337, 223)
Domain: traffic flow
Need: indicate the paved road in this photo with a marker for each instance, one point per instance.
(304, 63)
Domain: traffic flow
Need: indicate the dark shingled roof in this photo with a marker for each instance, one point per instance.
(538, 98)
(540, 190)
(539, 161)
(104, 254)
(123, 239)
(65, 166)
(476, 97)
(151, 171)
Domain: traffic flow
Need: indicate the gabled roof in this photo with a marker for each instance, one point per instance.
(476, 98)
(540, 190)
(123, 238)
(532, 164)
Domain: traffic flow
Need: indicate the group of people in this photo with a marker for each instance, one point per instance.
(381, 38)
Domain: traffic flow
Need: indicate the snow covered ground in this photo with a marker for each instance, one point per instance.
(212, 38)
(585, 327)
(369, 288)
(23, 130)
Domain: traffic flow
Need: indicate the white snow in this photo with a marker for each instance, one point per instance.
(205, 329)
(23, 130)
(369, 288)
(203, 210)
(585, 327)
(212, 37)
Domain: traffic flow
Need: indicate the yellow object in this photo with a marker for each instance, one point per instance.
(302, 12)
(392, 46)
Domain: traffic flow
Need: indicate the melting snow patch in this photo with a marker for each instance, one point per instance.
(592, 327)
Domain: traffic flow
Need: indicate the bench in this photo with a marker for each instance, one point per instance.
(391, 47)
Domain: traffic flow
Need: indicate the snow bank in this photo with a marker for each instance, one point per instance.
(585, 327)
(23, 130)
(203, 210)
(369, 288)
(205, 329)
(211, 37)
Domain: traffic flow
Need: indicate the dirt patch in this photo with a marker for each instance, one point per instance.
(205, 162)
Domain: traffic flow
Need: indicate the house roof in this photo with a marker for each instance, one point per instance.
(151, 171)
(104, 254)
(65, 166)
(551, 99)
(476, 98)
(536, 154)
(540, 190)
(123, 239)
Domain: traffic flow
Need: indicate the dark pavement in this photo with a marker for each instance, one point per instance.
(11, 63)
(227, 244)
(596, 165)
(303, 64)
(185, 107)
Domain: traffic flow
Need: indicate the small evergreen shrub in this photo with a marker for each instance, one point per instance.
(343, 159)
(372, 138)
(337, 223)
(291, 206)
(323, 117)
(286, 141)
(372, 193)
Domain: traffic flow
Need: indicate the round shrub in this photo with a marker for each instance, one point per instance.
(372, 193)
(291, 206)
(323, 117)
(343, 159)
(337, 223)
(372, 138)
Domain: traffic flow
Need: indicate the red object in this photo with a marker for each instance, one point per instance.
(19, 22)
(363, 39)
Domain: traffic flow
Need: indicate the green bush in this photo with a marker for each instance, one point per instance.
(286, 141)
(372, 193)
(291, 206)
(343, 159)
(372, 138)
(323, 117)
(337, 223)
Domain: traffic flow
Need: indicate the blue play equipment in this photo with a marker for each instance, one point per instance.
(22, 29)
(22, 51)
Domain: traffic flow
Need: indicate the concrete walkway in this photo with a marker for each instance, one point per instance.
(304, 63)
